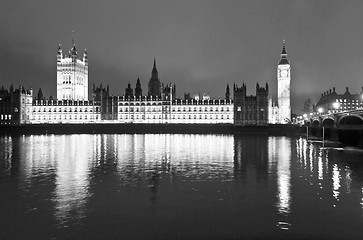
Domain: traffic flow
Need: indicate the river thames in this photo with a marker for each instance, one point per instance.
(167, 186)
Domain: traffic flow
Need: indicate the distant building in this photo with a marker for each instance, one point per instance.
(72, 75)
(330, 101)
(159, 105)
(15, 105)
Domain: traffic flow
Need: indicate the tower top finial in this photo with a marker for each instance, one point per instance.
(154, 63)
(73, 38)
(283, 47)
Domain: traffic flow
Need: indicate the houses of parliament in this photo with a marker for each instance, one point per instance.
(159, 105)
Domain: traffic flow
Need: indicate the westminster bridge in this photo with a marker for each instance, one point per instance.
(346, 127)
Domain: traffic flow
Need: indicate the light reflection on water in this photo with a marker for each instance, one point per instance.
(199, 185)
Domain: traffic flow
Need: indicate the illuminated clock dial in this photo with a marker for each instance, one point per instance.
(284, 73)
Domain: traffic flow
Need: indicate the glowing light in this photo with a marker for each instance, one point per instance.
(320, 166)
(336, 182)
(320, 110)
(348, 178)
(336, 105)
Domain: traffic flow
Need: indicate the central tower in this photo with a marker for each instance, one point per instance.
(283, 88)
(72, 75)
(154, 83)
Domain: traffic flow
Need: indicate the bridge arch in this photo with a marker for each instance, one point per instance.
(351, 120)
(315, 123)
(328, 122)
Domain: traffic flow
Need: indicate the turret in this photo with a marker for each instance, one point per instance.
(59, 54)
(85, 57)
(73, 51)
(129, 92)
(228, 94)
(40, 95)
(138, 89)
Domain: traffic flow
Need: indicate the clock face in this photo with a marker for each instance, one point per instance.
(284, 73)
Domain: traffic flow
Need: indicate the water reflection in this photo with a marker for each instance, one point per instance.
(6, 151)
(284, 175)
(217, 183)
(72, 169)
(336, 182)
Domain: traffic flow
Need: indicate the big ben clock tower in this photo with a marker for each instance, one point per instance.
(283, 88)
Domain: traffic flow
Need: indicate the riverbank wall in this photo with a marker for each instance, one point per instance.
(279, 130)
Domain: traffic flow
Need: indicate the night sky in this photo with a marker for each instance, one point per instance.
(199, 45)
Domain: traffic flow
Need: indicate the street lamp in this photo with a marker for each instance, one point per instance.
(320, 110)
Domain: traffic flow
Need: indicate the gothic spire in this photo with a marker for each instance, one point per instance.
(283, 59)
(73, 50)
(283, 48)
(154, 73)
